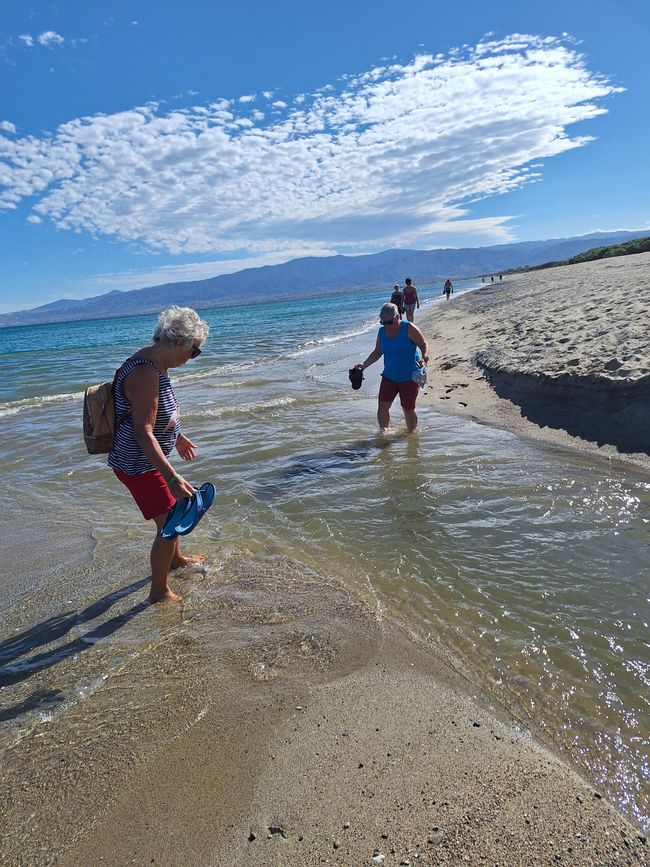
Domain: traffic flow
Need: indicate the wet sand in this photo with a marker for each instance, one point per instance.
(337, 740)
(561, 355)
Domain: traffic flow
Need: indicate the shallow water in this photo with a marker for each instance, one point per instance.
(527, 566)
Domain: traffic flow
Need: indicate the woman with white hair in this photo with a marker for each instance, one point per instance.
(147, 430)
(398, 342)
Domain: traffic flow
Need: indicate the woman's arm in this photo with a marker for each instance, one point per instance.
(418, 338)
(141, 388)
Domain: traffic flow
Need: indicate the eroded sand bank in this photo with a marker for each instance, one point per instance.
(561, 355)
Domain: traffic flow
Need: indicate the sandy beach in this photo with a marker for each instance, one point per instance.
(279, 718)
(560, 355)
(335, 741)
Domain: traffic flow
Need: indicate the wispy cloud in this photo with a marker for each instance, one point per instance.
(391, 157)
(7, 126)
(46, 39)
(50, 38)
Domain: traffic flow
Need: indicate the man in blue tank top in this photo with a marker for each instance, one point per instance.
(398, 342)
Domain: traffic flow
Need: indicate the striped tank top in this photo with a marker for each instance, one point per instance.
(126, 454)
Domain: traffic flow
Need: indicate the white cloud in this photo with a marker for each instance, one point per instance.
(391, 157)
(49, 37)
(7, 126)
(27, 40)
(248, 97)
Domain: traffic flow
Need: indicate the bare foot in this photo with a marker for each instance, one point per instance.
(165, 596)
(178, 562)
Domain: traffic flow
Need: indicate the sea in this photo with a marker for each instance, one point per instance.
(527, 565)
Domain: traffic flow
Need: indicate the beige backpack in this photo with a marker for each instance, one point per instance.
(99, 417)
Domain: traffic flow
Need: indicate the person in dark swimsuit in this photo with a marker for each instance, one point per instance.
(397, 298)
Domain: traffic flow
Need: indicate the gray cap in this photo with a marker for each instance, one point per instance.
(388, 311)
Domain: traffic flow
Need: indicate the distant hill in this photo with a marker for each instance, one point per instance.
(315, 275)
(639, 245)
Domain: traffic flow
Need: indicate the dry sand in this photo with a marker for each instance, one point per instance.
(356, 747)
(561, 355)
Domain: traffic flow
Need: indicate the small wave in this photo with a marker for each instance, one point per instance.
(233, 367)
(13, 407)
(242, 408)
(313, 345)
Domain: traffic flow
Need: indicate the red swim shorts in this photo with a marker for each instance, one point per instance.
(150, 492)
(408, 392)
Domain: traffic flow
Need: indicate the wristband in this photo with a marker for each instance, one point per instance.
(174, 478)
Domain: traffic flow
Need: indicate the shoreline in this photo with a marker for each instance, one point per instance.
(555, 356)
(340, 740)
(277, 719)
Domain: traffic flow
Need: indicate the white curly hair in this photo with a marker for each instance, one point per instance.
(180, 325)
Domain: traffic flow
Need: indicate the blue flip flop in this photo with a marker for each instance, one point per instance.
(177, 511)
(199, 505)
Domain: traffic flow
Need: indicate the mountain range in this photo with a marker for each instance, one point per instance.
(316, 275)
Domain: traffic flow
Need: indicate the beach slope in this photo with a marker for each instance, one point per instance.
(561, 354)
(338, 740)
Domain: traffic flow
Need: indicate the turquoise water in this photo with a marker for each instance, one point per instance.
(528, 566)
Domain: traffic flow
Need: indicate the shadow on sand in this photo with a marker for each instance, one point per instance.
(619, 417)
(50, 630)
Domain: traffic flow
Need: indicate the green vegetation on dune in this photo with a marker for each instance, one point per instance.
(638, 245)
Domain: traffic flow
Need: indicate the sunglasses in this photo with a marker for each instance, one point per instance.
(386, 321)
(195, 352)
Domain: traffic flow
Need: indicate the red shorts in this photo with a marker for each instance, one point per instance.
(150, 492)
(408, 392)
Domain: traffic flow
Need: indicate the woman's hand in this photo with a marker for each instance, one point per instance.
(180, 488)
(185, 448)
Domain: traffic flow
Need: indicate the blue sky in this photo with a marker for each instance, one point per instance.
(149, 142)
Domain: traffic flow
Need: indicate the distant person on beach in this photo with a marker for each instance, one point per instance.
(399, 343)
(411, 300)
(447, 289)
(150, 428)
(500, 277)
(492, 278)
(397, 298)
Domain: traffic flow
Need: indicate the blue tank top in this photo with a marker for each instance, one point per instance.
(400, 354)
(126, 454)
